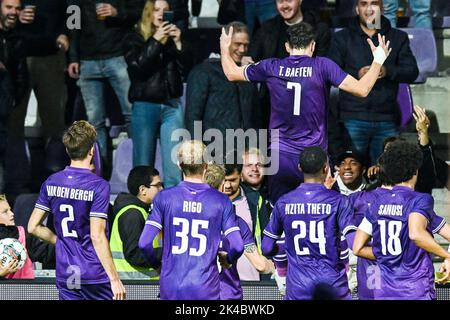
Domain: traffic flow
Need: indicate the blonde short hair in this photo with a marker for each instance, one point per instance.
(3, 197)
(191, 157)
(214, 175)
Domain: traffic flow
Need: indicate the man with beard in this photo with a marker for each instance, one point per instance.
(370, 120)
(13, 71)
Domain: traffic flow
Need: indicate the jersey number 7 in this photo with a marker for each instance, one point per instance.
(297, 95)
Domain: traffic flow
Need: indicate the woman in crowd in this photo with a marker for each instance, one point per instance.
(156, 57)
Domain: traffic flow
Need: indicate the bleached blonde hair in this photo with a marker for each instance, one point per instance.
(214, 175)
(191, 157)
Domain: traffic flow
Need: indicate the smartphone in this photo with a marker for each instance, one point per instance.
(168, 16)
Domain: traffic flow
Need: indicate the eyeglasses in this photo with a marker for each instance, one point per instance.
(158, 185)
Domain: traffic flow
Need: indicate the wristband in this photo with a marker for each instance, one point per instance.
(379, 56)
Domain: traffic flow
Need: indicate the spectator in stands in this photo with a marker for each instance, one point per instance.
(46, 42)
(258, 11)
(13, 70)
(233, 189)
(96, 55)
(434, 172)
(180, 10)
(350, 173)
(420, 8)
(157, 58)
(255, 189)
(370, 120)
(217, 102)
(37, 250)
(269, 41)
(130, 213)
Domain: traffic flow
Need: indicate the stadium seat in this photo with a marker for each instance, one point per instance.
(23, 207)
(423, 46)
(97, 160)
(122, 165)
(405, 104)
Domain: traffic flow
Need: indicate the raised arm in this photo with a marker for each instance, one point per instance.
(363, 86)
(232, 71)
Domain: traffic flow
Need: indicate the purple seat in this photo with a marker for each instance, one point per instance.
(122, 165)
(405, 104)
(423, 46)
(97, 160)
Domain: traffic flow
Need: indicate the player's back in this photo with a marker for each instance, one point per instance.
(313, 220)
(193, 217)
(73, 196)
(299, 88)
(406, 270)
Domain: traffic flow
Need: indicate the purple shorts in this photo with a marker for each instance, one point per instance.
(99, 291)
(287, 178)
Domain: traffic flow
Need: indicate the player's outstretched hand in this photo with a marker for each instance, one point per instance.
(118, 290)
(381, 52)
(445, 269)
(12, 267)
(225, 39)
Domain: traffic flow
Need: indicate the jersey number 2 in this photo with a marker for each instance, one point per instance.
(64, 223)
(297, 95)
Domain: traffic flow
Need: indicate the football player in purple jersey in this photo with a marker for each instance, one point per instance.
(192, 217)
(313, 218)
(400, 221)
(78, 199)
(298, 87)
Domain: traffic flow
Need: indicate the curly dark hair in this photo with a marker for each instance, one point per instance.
(400, 162)
(300, 35)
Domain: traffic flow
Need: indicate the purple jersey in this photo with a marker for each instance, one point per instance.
(230, 284)
(73, 196)
(192, 217)
(299, 88)
(313, 219)
(405, 270)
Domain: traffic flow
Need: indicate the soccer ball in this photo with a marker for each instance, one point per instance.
(12, 249)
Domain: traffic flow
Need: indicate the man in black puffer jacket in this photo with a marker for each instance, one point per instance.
(217, 102)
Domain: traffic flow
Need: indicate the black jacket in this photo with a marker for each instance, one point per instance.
(38, 251)
(217, 102)
(429, 173)
(50, 22)
(155, 69)
(103, 39)
(12, 56)
(350, 50)
(265, 44)
(252, 196)
(131, 224)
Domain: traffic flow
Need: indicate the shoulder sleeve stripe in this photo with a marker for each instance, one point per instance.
(245, 72)
(40, 206)
(440, 226)
(270, 235)
(228, 231)
(98, 214)
(155, 224)
(349, 228)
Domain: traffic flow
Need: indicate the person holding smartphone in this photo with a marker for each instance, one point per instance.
(156, 58)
